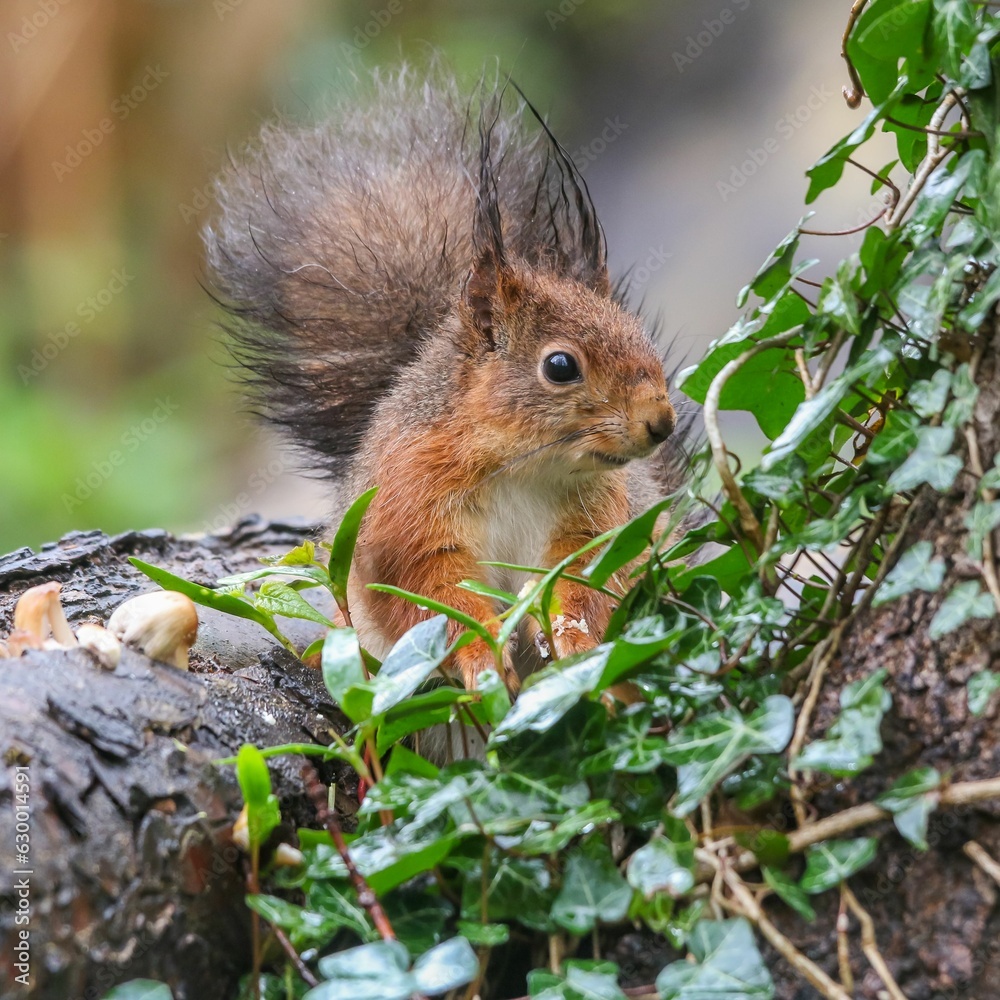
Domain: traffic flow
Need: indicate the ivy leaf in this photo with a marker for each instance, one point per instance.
(445, 967)
(829, 863)
(593, 889)
(980, 689)
(789, 891)
(582, 981)
(376, 971)
(811, 414)
(928, 396)
(964, 602)
(662, 866)
(484, 935)
(558, 688)
(706, 750)
(729, 966)
(917, 569)
(911, 802)
(829, 168)
(140, 989)
(954, 31)
(980, 521)
(854, 737)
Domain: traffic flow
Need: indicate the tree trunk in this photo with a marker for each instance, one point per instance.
(130, 870)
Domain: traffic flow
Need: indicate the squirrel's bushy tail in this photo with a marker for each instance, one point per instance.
(339, 247)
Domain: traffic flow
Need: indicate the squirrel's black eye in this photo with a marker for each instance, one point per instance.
(560, 367)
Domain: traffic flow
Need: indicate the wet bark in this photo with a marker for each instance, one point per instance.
(130, 868)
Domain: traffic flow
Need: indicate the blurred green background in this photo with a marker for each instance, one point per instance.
(116, 409)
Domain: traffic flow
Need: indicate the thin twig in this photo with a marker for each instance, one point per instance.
(963, 793)
(844, 943)
(869, 944)
(936, 153)
(856, 91)
(829, 647)
(296, 959)
(317, 793)
(977, 853)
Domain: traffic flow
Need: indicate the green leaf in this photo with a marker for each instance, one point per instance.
(964, 602)
(582, 981)
(140, 989)
(929, 463)
(917, 569)
(954, 31)
(928, 396)
(980, 521)
(829, 863)
(451, 964)
(854, 737)
(593, 890)
(911, 800)
(429, 604)
(552, 693)
(417, 654)
(484, 935)
(708, 749)
(789, 891)
(376, 971)
(980, 689)
(811, 414)
(343, 667)
(263, 813)
(729, 966)
(209, 598)
(277, 598)
(344, 541)
(662, 866)
(630, 543)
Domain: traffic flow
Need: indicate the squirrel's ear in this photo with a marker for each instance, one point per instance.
(484, 294)
(480, 295)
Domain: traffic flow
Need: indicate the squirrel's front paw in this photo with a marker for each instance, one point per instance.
(570, 635)
(472, 660)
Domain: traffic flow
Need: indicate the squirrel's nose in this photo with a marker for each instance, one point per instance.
(661, 424)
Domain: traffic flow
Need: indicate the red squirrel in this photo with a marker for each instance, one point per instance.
(421, 295)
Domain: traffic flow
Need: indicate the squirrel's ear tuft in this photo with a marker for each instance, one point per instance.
(489, 274)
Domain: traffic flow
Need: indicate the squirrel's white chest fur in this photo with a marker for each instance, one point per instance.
(519, 518)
